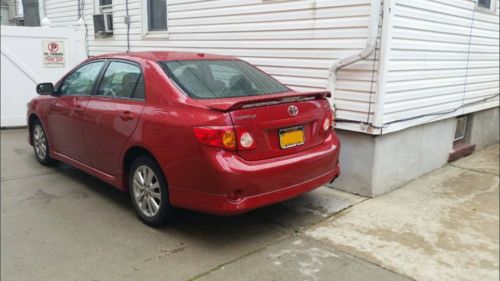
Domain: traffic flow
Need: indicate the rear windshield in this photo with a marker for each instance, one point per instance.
(209, 79)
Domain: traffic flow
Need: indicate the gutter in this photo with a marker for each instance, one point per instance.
(371, 44)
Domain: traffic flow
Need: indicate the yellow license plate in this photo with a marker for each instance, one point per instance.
(291, 137)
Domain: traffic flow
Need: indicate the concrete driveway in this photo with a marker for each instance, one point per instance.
(61, 224)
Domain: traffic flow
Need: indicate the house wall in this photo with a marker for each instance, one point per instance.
(373, 165)
(441, 55)
(386, 162)
(482, 128)
(295, 41)
(436, 56)
(63, 13)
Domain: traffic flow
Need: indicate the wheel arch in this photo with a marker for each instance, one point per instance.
(31, 120)
(128, 158)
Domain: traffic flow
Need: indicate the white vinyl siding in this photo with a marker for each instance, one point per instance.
(428, 64)
(296, 41)
(63, 13)
(442, 54)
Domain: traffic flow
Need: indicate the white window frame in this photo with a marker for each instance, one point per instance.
(151, 34)
(102, 9)
(492, 9)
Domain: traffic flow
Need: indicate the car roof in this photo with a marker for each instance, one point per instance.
(165, 56)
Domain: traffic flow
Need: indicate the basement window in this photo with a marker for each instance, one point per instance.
(460, 129)
(461, 145)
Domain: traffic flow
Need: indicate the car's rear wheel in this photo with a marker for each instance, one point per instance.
(149, 192)
(41, 144)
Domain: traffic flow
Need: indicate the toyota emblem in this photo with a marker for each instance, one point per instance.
(293, 110)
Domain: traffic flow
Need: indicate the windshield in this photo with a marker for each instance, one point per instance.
(209, 79)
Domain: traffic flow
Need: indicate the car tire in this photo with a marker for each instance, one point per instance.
(41, 144)
(149, 192)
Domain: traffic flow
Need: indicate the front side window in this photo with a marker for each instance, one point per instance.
(121, 80)
(81, 81)
(208, 79)
(157, 15)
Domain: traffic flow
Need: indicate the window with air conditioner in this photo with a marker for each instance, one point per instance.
(103, 19)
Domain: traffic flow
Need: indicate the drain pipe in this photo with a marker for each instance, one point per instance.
(371, 44)
(127, 22)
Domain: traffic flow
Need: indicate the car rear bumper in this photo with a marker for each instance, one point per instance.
(235, 186)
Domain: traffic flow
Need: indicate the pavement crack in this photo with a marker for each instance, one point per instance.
(305, 228)
(281, 225)
(474, 170)
(256, 250)
(6, 179)
(327, 245)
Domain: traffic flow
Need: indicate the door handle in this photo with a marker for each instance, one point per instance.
(125, 116)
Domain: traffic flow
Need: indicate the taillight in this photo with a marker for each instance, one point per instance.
(328, 121)
(326, 124)
(245, 139)
(223, 137)
(227, 137)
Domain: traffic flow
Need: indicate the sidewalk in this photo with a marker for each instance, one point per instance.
(442, 226)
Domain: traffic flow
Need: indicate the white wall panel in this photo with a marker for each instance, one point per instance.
(442, 54)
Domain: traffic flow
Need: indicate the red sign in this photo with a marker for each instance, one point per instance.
(53, 47)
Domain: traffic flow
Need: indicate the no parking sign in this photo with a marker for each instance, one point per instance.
(53, 53)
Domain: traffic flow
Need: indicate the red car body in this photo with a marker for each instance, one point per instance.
(101, 136)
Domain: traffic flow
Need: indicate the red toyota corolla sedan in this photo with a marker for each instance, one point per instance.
(203, 132)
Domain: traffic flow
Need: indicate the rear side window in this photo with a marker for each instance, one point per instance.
(121, 80)
(139, 89)
(209, 79)
(82, 80)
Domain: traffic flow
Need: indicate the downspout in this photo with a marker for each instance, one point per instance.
(127, 22)
(371, 44)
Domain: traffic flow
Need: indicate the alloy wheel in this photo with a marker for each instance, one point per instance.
(40, 142)
(147, 191)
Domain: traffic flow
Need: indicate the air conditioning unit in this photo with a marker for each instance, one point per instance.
(103, 24)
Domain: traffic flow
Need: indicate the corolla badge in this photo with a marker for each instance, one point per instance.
(293, 110)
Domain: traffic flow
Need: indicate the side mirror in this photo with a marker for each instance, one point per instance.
(45, 89)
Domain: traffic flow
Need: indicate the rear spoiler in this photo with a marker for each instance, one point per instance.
(257, 101)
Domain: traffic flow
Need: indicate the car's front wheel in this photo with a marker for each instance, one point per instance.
(148, 191)
(41, 144)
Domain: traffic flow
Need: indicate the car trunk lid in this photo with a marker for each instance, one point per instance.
(281, 124)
